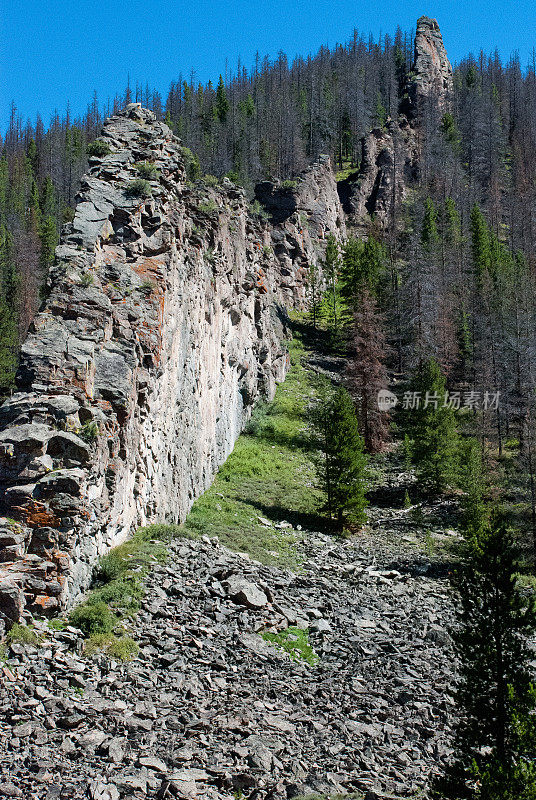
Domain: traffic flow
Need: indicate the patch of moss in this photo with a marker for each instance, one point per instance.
(295, 642)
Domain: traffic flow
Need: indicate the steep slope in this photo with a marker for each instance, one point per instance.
(164, 323)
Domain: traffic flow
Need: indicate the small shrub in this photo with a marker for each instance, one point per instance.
(89, 431)
(267, 251)
(256, 210)
(407, 500)
(139, 188)
(211, 180)
(191, 164)
(147, 170)
(208, 207)
(120, 648)
(288, 184)
(123, 594)
(93, 618)
(295, 642)
(98, 149)
(22, 634)
(87, 279)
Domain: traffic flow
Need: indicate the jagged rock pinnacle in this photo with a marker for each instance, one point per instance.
(431, 67)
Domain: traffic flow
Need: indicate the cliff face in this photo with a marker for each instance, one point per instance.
(163, 326)
(390, 156)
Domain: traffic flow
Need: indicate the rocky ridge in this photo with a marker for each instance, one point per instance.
(390, 155)
(163, 325)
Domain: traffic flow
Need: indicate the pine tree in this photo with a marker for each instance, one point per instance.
(343, 462)
(314, 286)
(331, 266)
(429, 233)
(471, 480)
(367, 374)
(480, 243)
(48, 234)
(362, 266)
(495, 736)
(8, 348)
(222, 104)
(432, 426)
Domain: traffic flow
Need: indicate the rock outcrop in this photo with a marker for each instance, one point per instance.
(432, 72)
(390, 155)
(163, 326)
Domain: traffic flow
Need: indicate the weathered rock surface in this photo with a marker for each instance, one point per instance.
(209, 709)
(432, 71)
(163, 325)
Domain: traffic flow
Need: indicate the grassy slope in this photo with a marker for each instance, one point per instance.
(269, 474)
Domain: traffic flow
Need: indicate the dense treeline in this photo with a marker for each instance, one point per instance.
(274, 119)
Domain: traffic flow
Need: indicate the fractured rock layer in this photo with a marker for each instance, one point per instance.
(163, 326)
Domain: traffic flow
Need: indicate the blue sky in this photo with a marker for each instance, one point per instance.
(52, 51)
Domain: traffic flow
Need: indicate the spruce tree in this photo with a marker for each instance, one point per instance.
(8, 348)
(331, 266)
(343, 462)
(222, 103)
(495, 738)
(367, 373)
(48, 234)
(432, 426)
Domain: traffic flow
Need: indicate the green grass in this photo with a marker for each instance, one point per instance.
(120, 580)
(120, 648)
(347, 170)
(295, 642)
(22, 634)
(269, 474)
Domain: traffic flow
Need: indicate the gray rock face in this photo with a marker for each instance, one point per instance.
(163, 326)
(431, 67)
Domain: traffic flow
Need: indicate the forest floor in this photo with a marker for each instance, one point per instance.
(268, 657)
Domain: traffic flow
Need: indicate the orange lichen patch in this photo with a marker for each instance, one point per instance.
(104, 405)
(63, 562)
(45, 602)
(37, 515)
(150, 267)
